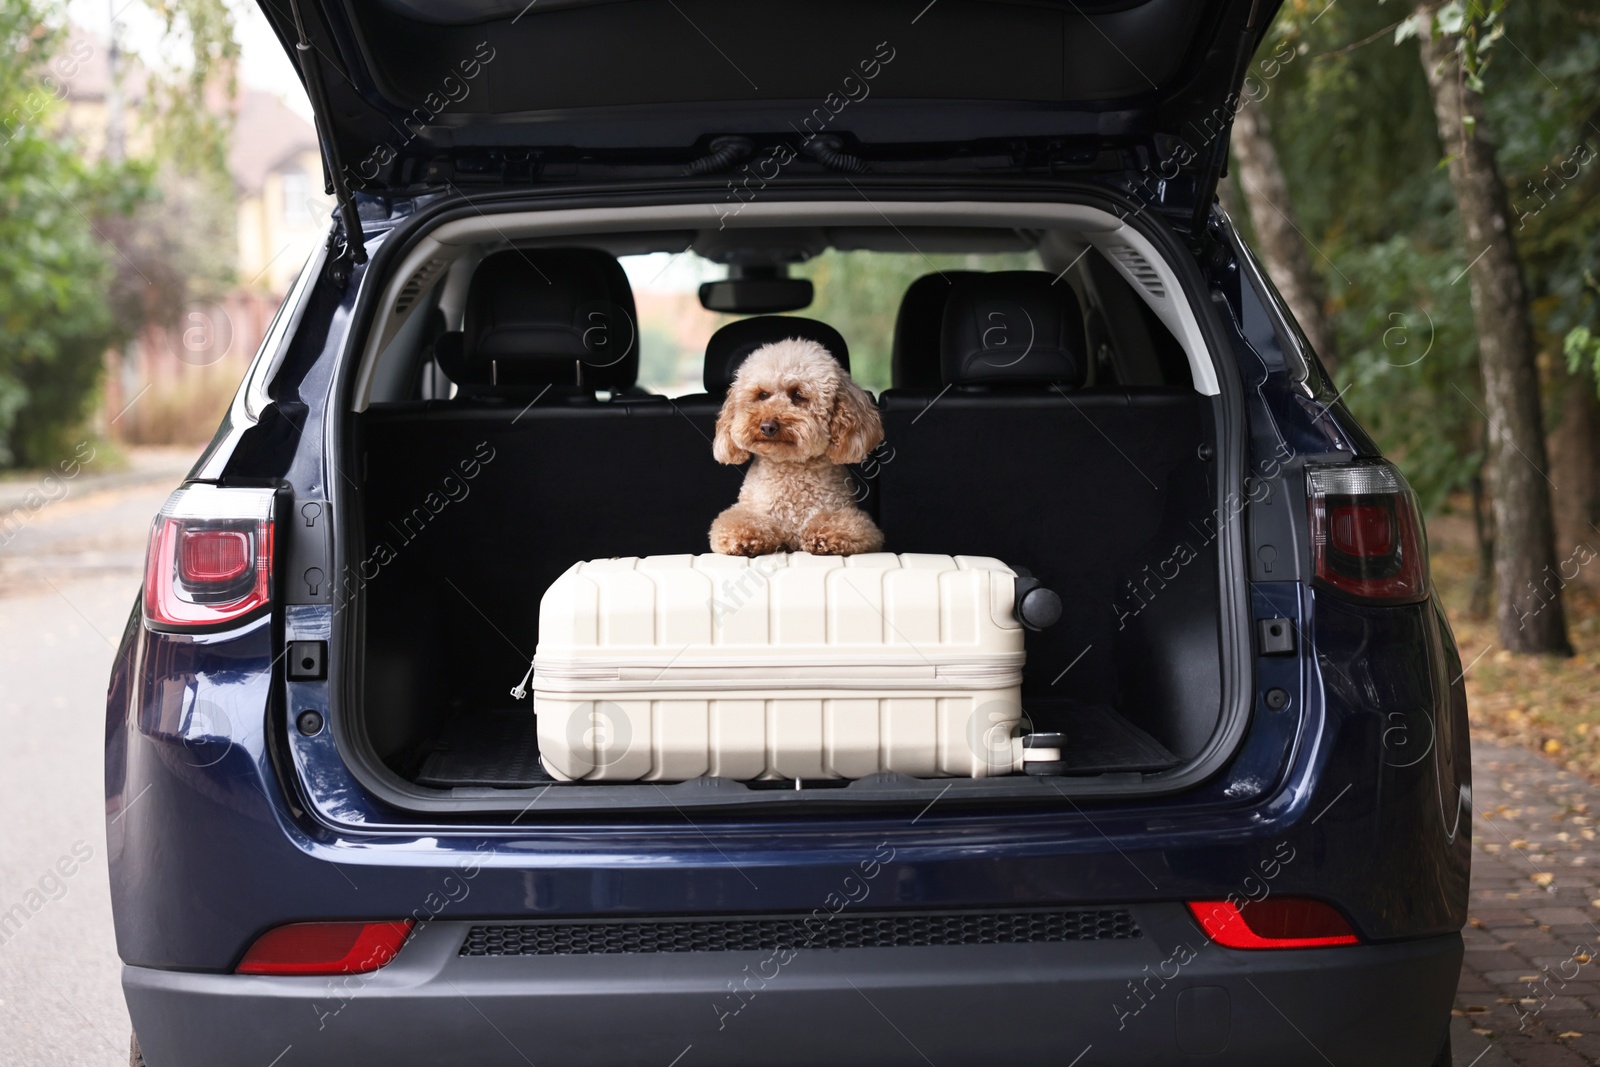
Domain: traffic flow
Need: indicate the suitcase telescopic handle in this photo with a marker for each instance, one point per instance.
(1036, 606)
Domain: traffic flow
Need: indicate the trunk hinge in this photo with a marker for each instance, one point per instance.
(1161, 184)
(354, 249)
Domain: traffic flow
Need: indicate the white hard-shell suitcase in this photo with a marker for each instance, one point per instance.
(788, 666)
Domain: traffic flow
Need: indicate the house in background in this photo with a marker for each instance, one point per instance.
(171, 382)
(282, 212)
(81, 70)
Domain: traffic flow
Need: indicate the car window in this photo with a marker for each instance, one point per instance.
(857, 293)
(673, 327)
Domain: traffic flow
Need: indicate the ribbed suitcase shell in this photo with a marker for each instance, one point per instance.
(665, 668)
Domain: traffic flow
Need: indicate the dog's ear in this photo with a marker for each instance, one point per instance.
(722, 446)
(855, 428)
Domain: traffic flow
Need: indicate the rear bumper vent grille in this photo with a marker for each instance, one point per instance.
(841, 930)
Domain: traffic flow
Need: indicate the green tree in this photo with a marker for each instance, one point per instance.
(178, 247)
(1355, 124)
(1529, 614)
(91, 250)
(186, 106)
(55, 321)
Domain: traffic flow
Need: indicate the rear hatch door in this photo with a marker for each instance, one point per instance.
(425, 94)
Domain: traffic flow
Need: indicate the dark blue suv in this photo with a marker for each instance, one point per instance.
(332, 838)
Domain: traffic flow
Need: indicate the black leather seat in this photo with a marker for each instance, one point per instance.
(1008, 457)
(914, 355)
(1011, 328)
(553, 321)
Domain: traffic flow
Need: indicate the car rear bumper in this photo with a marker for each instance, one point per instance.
(1169, 997)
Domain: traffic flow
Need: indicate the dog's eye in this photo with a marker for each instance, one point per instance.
(763, 395)
(796, 397)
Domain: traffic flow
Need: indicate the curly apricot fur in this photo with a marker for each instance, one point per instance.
(796, 415)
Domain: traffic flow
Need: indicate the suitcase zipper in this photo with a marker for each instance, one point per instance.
(780, 682)
(520, 690)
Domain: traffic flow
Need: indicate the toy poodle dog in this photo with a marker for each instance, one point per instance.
(795, 410)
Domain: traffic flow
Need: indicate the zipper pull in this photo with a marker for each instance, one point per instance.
(520, 690)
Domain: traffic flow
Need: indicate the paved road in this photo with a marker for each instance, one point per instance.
(1530, 990)
(68, 577)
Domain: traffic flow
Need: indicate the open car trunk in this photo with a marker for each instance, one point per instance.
(1107, 502)
(468, 503)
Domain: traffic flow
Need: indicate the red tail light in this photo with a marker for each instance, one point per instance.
(1276, 922)
(325, 948)
(1367, 540)
(210, 558)
(213, 557)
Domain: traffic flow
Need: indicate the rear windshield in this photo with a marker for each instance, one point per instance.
(857, 293)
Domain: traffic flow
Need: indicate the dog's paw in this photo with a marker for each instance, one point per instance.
(824, 544)
(743, 546)
(840, 533)
(739, 536)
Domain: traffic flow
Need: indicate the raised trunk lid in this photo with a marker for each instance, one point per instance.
(428, 94)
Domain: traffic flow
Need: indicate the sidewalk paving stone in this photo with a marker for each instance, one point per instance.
(1530, 981)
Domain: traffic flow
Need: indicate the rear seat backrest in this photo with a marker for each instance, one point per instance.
(1010, 459)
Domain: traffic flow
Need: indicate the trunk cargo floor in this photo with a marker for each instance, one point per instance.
(486, 748)
(500, 749)
(1100, 741)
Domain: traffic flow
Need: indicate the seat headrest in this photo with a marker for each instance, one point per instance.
(914, 359)
(541, 317)
(730, 345)
(1012, 328)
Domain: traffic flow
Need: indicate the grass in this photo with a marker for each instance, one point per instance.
(1546, 703)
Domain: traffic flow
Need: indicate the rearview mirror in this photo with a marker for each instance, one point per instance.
(756, 296)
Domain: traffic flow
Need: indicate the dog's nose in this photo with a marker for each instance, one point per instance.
(769, 428)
